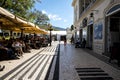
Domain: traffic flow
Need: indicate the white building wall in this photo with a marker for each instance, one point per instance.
(98, 8)
(98, 45)
(58, 33)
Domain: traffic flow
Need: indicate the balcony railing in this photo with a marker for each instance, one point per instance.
(114, 1)
(87, 7)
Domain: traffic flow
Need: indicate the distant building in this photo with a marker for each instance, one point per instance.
(57, 35)
(99, 22)
(71, 33)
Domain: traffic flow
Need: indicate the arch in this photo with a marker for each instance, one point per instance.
(113, 9)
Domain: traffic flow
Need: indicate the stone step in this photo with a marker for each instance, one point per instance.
(97, 78)
(92, 74)
(89, 70)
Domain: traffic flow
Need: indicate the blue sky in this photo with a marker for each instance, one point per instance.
(60, 12)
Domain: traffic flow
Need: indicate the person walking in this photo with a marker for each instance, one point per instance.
(65, 42)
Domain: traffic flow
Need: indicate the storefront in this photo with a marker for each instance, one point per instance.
(112, 19)
(102, 29)
(90, 31)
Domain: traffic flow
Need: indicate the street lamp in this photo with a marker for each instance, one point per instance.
(22, 32)
(1, 26)
(1, 23)
(50, 29)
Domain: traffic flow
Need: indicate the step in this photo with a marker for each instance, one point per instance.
(96, 78)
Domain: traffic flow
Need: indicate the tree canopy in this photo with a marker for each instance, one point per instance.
(38, 17)
(23, 8)
(72, 27)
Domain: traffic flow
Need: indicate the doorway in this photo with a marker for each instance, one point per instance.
(90, 36)
(113, 31)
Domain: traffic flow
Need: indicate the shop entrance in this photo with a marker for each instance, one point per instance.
(113, 31)
(63, 37)
(90, 36)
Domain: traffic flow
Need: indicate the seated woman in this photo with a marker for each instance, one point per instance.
(17, 47)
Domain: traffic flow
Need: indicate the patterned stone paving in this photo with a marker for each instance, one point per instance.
(72, 58)
(35, 68)
(75, 64)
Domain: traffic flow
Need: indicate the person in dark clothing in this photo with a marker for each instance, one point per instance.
(84, 43)
(8, 51)
(65, 41)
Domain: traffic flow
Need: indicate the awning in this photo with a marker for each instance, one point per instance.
(11, 22)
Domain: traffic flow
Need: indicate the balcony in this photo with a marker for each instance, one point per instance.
(86, 6)
(114, 1)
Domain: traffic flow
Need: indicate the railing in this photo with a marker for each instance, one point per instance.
(114, 1)
(87, 7)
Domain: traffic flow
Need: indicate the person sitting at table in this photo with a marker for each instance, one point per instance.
(9, 52)
(17, 47)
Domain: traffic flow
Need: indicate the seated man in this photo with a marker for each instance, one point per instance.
(8, 51)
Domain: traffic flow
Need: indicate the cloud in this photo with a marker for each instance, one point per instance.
(53, 17)
(65, 20)
(44, 12)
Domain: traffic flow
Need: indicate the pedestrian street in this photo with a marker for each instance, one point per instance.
(73, 64)
(34, 68)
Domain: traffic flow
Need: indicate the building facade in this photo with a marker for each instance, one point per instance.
(99, 23)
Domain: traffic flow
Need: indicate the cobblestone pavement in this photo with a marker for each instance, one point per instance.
(32, 66)
(77, 64)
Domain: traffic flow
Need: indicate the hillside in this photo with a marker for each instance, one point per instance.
(54, 28)
(59, 28)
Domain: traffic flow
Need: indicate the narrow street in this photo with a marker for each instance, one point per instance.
(42, 40)
(76, 61)
(74, 64)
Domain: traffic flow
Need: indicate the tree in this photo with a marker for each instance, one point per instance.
(2, 3)
(72, 27)
(18, 7)
(41, 19)
(24, 9)
(38, 17)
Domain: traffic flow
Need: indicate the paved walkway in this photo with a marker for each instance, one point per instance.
(77, 64)
(32, 66)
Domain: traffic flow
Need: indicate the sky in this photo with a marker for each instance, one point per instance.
(60, 12)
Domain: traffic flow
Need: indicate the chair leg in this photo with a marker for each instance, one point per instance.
(2, 68)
